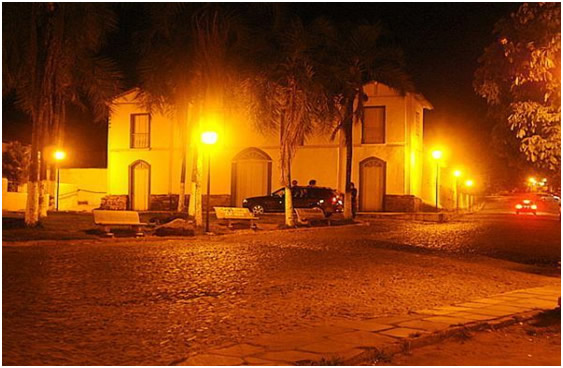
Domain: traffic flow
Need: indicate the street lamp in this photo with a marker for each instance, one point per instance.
(437, 155)
(58, 155)
(208, 138)
(457, 174)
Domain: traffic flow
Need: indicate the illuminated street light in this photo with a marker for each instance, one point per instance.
(469, 183)
(457, 173)
(437, 155)
(532, 180)
(58, 155)
(208, 138)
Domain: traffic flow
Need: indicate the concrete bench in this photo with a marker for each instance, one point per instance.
(235, 213)
(109, 219)
(305, 216)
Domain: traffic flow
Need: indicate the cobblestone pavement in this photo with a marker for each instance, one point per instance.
(160, 301)
(364, 341)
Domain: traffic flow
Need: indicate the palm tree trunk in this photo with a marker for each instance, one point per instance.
(348, 131)
(43, 187)
(196, 195)
(32, 203)
(183, 121)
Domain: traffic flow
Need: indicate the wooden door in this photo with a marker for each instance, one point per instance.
(140, 186)
(372, 184)
(251, 179)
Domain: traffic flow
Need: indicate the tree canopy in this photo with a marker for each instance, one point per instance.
(520, 78)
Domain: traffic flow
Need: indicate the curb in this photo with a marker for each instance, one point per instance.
(405, 344)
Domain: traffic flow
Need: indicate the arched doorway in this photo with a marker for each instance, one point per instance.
(139, 185)
(250, 175)
(372, 184)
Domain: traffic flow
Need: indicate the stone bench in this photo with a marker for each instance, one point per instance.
(109, 219)
(235, 213)
(305, 216)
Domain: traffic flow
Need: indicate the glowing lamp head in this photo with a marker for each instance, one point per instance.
(59, 155)
(469, 183)
(534, 207)
(518, 206)
(532, 180)
(437, 154)
(209, 138)
(457, 173)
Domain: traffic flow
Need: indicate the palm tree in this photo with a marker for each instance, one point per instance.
(189, 61)
(353, 56)
(51, 59)
(286, 94)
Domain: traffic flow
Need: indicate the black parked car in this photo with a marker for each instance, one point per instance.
(327, 199)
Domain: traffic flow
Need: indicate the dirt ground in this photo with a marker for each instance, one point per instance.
(533, 343)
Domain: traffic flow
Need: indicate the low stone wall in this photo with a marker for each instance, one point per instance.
(163, 202)
(115, 202)
(217, 200)
(402, 203)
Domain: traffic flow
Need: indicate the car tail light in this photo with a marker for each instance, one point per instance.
(518, 206)
(334, 199)
(534, 207)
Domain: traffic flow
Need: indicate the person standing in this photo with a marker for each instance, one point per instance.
(312, 182)
(354, 195)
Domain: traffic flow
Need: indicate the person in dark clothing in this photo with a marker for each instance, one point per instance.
(294, 183)
(312, 182)
(354, 195)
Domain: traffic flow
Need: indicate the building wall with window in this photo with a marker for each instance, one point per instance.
(145, 155)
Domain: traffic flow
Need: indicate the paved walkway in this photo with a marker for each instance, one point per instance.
(351, 342)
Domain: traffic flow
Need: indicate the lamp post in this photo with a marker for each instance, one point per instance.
(437, 155)
(58, 155)
(209, 139)
(457, 175)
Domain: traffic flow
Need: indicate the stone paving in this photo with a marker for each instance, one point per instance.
(351, 342)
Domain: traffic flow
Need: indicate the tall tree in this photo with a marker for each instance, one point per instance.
(51, 59)
(286, 94)
(189, 62)
(520, 78)
(355, 55)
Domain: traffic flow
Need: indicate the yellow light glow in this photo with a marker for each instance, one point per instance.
(532, 180)
(209, 137)
(59, 155)
(437, 154)
(469, 183)
(457, 173)
(544, 180)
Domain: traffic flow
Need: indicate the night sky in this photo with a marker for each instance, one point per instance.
(441, 42)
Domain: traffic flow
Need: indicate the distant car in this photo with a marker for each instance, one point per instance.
(327, 199)
(526, 206)
(548, 197)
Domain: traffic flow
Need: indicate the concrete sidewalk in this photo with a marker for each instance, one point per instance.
(348, 342)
